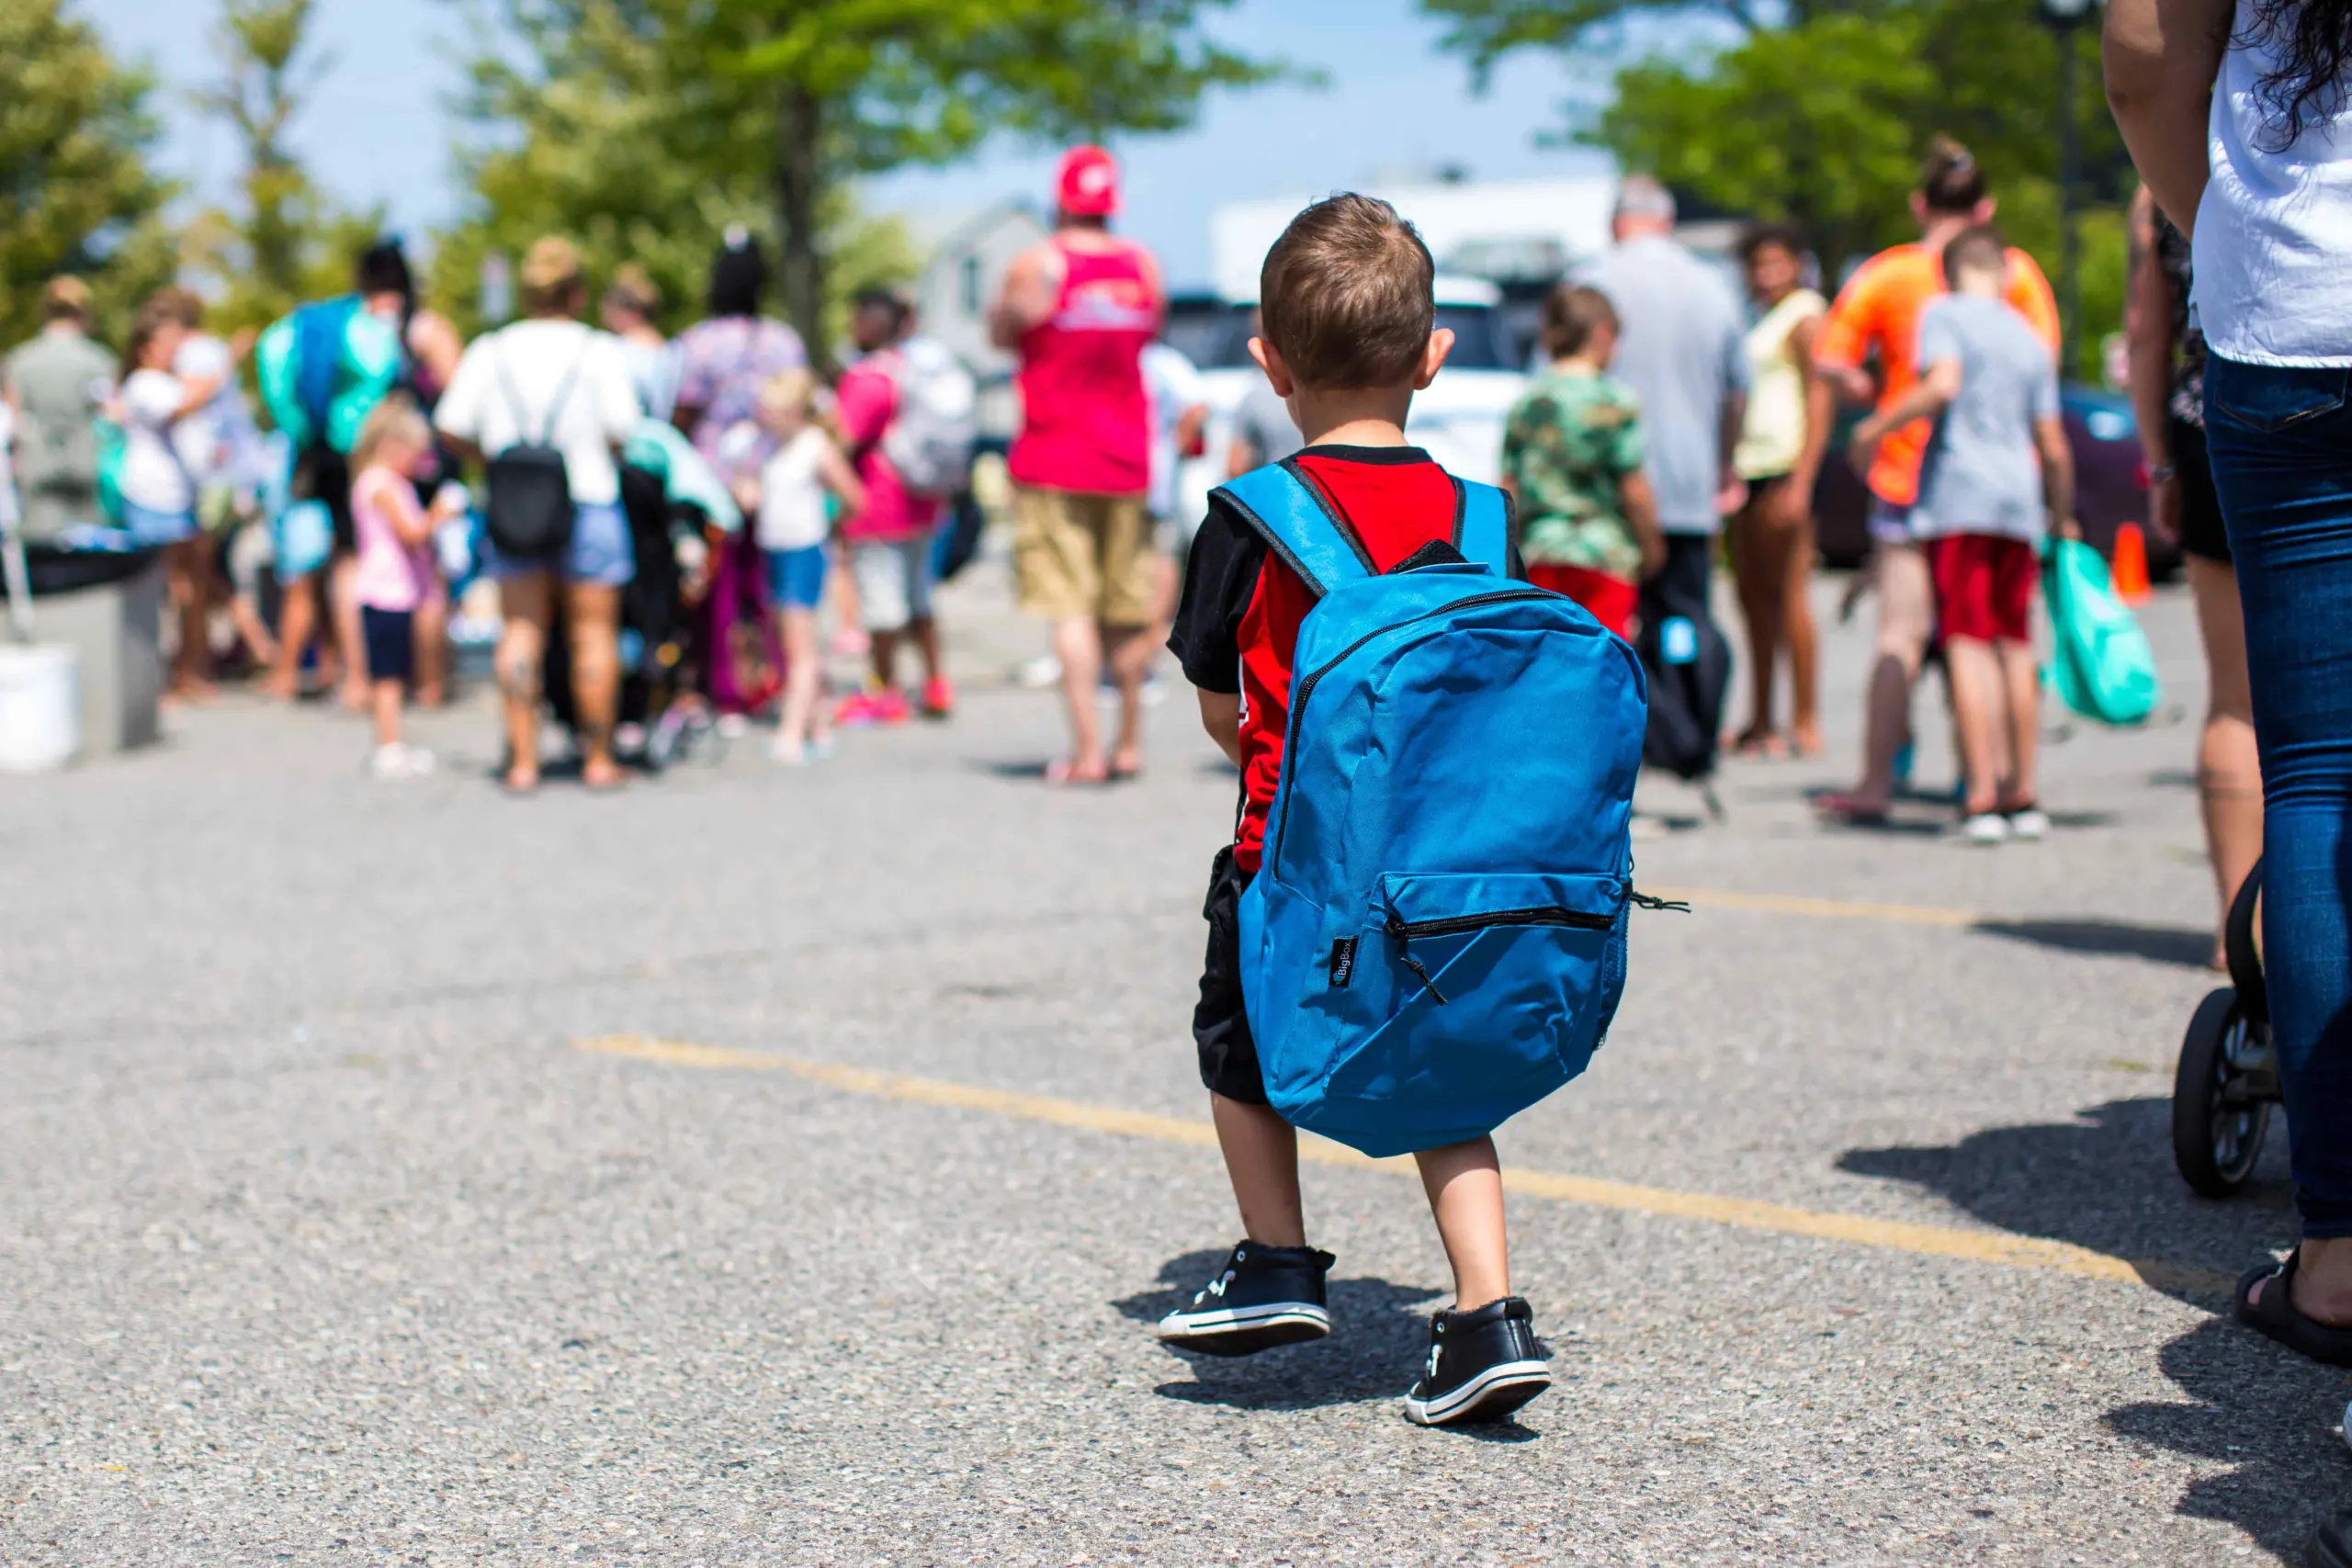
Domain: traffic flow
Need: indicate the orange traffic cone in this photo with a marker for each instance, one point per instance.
(2131, 567)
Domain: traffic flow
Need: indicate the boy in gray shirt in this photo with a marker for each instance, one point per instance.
(1997, 474)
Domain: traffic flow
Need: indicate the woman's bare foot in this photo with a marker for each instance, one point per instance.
(354, 695)
(1060, 776)
(602, 773)
(1805, 741)
(521, 781)
(1125, 765)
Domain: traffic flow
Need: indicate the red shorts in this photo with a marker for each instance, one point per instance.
(1612, 600)
(1984, 586)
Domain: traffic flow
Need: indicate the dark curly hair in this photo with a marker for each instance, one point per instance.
(2312, 39)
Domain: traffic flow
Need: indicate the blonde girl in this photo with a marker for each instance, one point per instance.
(394, 574)
(808, 469)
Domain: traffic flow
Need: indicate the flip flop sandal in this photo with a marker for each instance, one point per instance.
(1059, 775)
(2274, 1314)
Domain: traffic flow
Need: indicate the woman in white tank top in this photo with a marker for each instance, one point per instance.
(2239, 121)
(1771, 537)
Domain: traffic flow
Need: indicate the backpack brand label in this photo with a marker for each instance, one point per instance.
(1343, 962)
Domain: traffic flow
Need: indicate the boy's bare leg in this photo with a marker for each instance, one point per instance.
(1262, 1161)
(1464, 1182)
(2021, 677)
(1977, 712)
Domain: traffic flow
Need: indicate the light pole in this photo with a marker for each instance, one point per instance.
(2065, 19)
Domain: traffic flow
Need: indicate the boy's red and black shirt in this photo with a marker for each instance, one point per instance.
(1238, 621)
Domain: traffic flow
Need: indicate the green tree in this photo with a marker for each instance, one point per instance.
(76, 192)
(284, 240)
(1819, 111)
(643, 128)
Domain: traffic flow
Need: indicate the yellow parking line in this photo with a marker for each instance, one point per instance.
(1818, 908)
(1935, 1241)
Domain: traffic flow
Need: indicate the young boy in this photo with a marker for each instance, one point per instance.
(1998, 469)
(1572, 461)
(1349, 336)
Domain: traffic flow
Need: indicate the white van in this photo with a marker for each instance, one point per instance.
(1459, 421)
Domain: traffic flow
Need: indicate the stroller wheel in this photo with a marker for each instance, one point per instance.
(2220, 1105)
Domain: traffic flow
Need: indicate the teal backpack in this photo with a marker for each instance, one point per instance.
(2100, 661)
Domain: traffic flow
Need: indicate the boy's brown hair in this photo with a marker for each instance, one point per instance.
(1347, 296)
(1572, 313)
(1978, 250)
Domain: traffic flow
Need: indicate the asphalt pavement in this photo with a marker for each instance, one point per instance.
(769, 1167)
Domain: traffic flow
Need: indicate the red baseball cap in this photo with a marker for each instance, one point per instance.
(1087, 185)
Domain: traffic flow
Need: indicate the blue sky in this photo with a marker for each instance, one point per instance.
(377, 130)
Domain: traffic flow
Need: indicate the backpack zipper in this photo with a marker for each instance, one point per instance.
(1306, 687)
(1455, 925)
(1403, 931)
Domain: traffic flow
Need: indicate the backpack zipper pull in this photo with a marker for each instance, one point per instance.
(1397, 931)
(1668, 906)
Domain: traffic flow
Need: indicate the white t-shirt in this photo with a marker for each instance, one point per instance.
(1173, 386)
(792, 493)
(152, 475)
(2273, 282)
(508, 386)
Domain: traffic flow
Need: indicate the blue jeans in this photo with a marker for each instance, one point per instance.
(2280, 440)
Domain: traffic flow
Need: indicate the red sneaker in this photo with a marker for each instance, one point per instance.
(857, 712)
(891, 707)
(938, 698)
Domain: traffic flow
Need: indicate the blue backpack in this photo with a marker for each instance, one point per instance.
(1436, 938)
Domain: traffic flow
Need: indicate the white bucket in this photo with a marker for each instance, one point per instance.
(40, 708)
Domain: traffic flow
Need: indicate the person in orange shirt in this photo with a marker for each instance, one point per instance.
(1876, 317)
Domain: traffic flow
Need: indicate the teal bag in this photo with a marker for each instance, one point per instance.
(109, 441)
(2101, 662)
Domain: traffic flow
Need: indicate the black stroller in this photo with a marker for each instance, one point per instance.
(2228, 1076)
(657, 635)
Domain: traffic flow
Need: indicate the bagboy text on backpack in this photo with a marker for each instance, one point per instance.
(1436, 938)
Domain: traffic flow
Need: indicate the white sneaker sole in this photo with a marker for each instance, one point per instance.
(1239, 1331)
(1497, 1390)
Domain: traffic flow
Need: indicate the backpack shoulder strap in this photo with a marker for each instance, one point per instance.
(1299, 525)
(1483, 526)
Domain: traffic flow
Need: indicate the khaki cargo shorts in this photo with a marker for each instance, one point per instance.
(1079, 555)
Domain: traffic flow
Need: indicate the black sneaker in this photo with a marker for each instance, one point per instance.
(1483, 1365)
(1265, 1296)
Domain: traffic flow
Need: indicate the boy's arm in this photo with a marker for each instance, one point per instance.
(1221, 716)
(1937, 385)
(2057, 473)
(1639, 501)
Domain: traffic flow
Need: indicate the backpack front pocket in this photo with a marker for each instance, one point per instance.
(1478, 986)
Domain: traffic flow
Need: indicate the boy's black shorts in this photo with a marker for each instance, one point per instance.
(1220, 1025)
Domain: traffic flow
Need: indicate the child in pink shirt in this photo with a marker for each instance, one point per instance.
(889, 540)
(394, 571)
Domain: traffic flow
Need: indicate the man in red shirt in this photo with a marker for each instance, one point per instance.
(1349, 337)
(1080, 310)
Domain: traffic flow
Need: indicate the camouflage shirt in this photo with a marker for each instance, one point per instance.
(1569, 443)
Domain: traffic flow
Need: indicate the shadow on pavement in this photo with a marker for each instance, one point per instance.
(2191, 949)
(2106, 1182)
(1378, 1339)
(2264, 1412)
